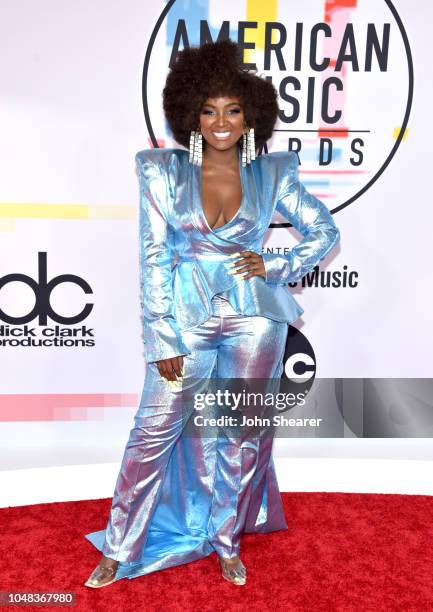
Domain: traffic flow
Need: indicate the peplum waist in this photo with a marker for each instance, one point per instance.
(197, 278)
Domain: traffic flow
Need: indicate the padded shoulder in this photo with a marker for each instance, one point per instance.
(283, 159)
(282, 166)
(163, 156)
(164, 163)
(161, 168)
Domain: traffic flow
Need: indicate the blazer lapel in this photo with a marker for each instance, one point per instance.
(246, 218)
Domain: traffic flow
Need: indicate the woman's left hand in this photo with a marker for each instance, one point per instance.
(250, 264)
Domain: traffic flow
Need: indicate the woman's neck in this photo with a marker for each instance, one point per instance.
(219, 159)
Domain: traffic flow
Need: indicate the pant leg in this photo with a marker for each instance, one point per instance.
(159, 422)
(250, 347)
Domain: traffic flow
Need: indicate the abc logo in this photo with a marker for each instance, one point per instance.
(299, 359)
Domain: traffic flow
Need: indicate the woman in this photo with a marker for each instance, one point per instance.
(221, 312)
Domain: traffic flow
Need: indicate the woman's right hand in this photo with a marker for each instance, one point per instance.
(171, 366)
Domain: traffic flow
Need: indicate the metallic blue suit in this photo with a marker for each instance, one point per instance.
(172, 222)
(179, 498)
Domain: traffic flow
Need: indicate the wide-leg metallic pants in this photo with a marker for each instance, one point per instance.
(236, 346)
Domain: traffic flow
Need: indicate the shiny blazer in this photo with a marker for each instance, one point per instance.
(172, 225)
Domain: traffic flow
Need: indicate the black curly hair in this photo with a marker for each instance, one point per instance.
(211, 70)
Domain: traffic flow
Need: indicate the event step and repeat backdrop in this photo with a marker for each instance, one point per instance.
(81, 88)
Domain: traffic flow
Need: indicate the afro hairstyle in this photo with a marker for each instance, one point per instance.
(211, 70)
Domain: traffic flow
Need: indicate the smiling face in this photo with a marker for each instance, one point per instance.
(222, 122)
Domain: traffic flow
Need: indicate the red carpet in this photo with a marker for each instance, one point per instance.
(343, 552)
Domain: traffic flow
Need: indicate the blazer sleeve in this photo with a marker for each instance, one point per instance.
(311, 218)
(162, 338)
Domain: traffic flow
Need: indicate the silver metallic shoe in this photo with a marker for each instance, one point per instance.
(101, 576)
(236, 575)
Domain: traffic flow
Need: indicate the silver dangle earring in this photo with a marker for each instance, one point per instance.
(191, 146)
(196, 147)
(252, 144)
(248, 147)
(244, 149)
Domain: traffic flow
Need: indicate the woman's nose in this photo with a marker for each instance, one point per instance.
(221, 119)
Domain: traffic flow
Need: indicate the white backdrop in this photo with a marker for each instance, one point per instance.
(71, 121)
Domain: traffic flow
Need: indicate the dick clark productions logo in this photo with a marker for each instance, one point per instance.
(42, 288)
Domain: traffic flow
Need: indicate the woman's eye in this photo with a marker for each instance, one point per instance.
(232, 110)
